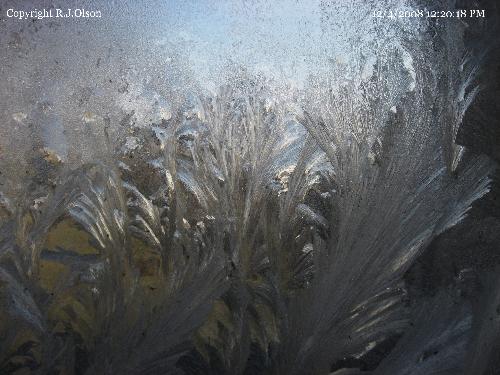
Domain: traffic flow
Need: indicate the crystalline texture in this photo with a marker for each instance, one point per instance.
(168, 211)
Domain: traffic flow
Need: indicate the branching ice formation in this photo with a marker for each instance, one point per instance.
(245, 224)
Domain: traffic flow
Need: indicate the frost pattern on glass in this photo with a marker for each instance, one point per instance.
(166, 210)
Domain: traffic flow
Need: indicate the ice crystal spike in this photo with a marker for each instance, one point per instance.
(436, 343)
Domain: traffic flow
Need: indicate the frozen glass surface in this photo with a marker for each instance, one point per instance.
(244, 187)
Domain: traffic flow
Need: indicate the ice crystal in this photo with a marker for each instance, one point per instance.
(159, 227)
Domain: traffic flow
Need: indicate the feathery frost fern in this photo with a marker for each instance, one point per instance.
(245, 233)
